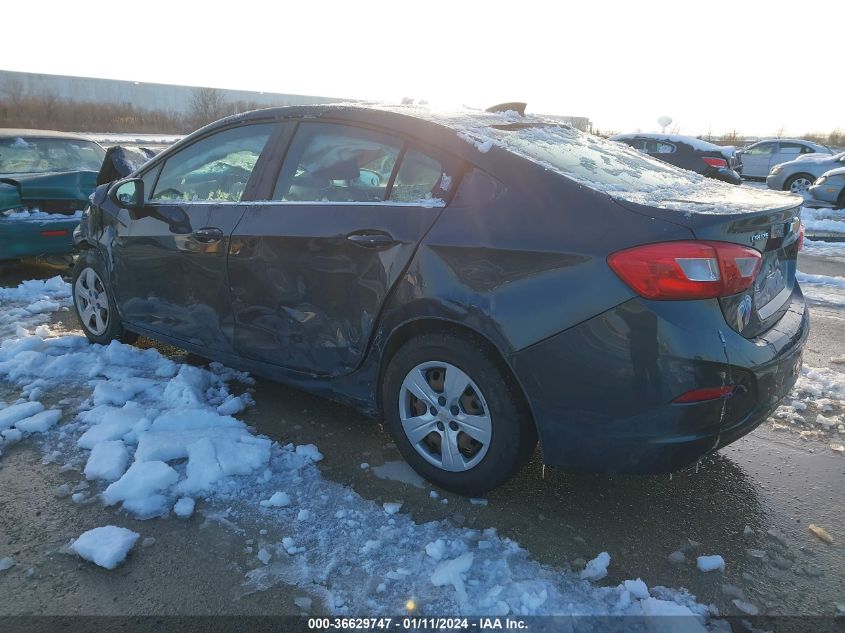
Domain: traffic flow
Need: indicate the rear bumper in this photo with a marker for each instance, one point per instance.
(776, 181)
(725, 175)
(28, 238)
(602, 392)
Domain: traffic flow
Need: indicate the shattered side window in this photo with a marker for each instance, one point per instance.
(216, 168)
(337, 163)
(418, 175)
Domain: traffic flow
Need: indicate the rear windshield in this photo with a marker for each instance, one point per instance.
(605, 165)
(28, 155)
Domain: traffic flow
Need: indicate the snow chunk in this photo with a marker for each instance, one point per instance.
(232, 406)
(449, 573)
(107, 461)
(278, 500)
(637, 588)
(6, 563)
(11, 415)
(746, 607)
(142, 480)
(105, 546)
(310, 451)
(436, 549)
(392, 507)
(596, 569)
(184, 508)
(264, 555)
(711, 563)
(40, 422)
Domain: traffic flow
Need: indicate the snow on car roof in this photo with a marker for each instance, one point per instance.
(607, 166)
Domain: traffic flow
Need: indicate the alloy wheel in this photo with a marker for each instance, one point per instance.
(92, 301)
(800, 185)
(444, 416)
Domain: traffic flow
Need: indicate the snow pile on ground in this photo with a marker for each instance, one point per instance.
(150, 434)
(823, 220)
(31, 303)
(822, 289)
(41, 216)
(820, 248)
(105, 546)
(816, 406)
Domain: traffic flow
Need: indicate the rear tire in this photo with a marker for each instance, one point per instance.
(94, 302)
(482, 433)
(840, 201)
(799, 183)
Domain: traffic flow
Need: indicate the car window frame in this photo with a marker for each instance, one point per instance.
(450, 165)
(160, 161)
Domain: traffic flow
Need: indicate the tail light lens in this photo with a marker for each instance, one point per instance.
(687, 270)
(715, 162)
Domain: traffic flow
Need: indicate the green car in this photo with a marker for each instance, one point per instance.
(45, 180)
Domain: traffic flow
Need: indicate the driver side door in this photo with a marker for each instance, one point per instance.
(170, 268)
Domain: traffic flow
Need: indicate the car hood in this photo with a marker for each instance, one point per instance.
(817, 158)
(64, 191)
(839, 171)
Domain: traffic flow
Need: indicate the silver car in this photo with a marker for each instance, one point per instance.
(759, 158)
(830, 187)
(798, 175)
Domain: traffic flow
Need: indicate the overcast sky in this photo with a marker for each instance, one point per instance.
(757, 67)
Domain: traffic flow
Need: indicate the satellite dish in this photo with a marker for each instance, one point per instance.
(665, 121)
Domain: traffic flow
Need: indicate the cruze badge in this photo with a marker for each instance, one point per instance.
(763, 235)
(743, 312)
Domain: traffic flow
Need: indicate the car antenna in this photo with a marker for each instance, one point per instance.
(515, 106)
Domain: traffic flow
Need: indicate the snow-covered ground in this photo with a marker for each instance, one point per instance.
(158, 438)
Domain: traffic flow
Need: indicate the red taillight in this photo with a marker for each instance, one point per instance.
(715, 162)
(705, 394)
(801, 237)
(687, 270)
(55, 233)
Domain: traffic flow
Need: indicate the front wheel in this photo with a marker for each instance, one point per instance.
(456, 417)
(94, 304)
(800, 184)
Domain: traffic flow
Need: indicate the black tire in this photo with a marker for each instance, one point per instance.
(787, 186)
(513, 435)
(840, 201)
(114, 330)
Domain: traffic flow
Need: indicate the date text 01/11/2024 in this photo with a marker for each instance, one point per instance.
(416, 623)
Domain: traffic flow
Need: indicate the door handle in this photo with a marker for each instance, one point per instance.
(208, 235)
(372, 239)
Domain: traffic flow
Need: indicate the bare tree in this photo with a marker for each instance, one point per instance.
(207, 105)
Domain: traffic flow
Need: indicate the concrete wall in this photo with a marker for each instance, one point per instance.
(148, 96)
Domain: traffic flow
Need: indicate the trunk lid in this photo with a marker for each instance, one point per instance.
(766, 221)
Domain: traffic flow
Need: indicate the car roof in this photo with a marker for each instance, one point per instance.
(395, 116)
(19, 132)
(801, 141)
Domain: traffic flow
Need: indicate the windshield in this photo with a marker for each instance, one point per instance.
(27, 155)
(605, 165)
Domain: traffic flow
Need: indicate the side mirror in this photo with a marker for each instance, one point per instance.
(128, 194)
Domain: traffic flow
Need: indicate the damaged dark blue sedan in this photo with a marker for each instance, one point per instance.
(480, 280)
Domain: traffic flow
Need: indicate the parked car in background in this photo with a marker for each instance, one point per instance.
(759, 158)
(45, 180)
(478, 280)
(799, 175)
(688, 152)
(830, 187)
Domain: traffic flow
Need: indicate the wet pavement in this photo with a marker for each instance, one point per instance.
(751, 503)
